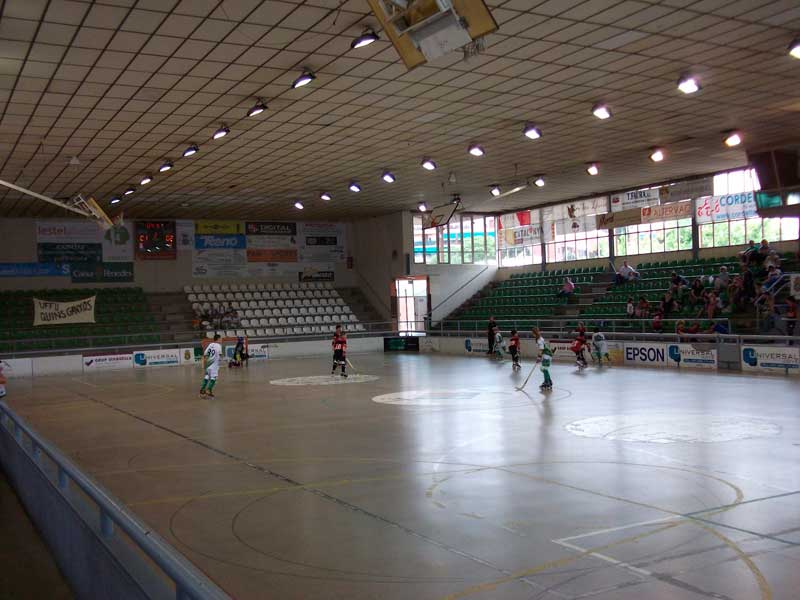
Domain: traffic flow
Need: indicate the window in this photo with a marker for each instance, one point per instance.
(467, 239)
(570, 233)
(519, 238)
(738, 232)
(647, 238)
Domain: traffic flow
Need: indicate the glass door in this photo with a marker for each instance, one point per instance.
(412, 305)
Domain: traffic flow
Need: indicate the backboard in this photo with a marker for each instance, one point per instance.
(439, 215)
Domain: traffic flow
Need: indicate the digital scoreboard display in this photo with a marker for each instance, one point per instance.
(155, 240)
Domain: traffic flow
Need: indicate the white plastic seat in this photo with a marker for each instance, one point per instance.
(245, 322)
(264, 322)
(202, 297)
(267, 312)
(262, 304)
(294, 311)
(274, 294)
(353, 319)
(210, 335)
(273, 322)
(269, 332)
(289, 303)
(191, 297)
(318, 320)
(285, 312)
(279, 331)
(257, 296)
(248, 296)
(196, 288)
(280, 303)
(301, 320)
(337, 310)
(260, 287)
(240, 333)
(258, 313)
(249, 314)
(291, 321)
(269, 286)
(283, 321)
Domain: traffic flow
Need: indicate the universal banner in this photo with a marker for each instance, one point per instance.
(687, 190)
(156, 358)
(667, 212)
(46, 312)
(771, 359)
(321, 242)
(634, 199)
(107, 362)
(692, 356)
(34, 270)
(208, 227)
(102, 273)
(728, 207)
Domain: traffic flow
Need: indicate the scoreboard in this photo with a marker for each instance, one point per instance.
(155, 240)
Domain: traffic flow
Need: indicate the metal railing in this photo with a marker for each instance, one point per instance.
(189, 582)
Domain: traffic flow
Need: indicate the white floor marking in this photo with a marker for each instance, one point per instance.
(325, 379)
(606, 558)
(613, 529)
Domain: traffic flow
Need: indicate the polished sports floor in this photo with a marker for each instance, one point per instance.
(435, 479)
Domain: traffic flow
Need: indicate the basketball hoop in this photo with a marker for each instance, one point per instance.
(92, 210)
(473, 48)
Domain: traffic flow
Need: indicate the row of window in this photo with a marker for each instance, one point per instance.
(515, 239)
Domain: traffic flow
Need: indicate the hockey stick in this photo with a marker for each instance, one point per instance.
(349, 364)
(524, 383)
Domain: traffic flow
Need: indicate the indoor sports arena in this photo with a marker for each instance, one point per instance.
(399, 299)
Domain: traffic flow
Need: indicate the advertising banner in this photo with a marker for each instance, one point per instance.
(184, 234)
(14, 368)
(623, 218)
(273, 228)
(687, 190)
(667, 212)
(692, 356)
(107, 362)
(67, 232)
(34, 270)
(640, 353)
(209, 227)
(156, 358)
(728, 207)
(219, 263)
(321, 242)
(102, 273)
(189, 356)
(220, 242)
(634, 199)
(117, 243)
(70, 253)
(46, 312)
(258, 350)
(317, 272)
(771, 359)
(272, 255)
(516, 229)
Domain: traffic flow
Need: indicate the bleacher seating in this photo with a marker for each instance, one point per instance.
(122, 317)
(277, 309)
(523, 298)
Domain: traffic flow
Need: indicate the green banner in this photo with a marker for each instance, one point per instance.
(70, 253)
(121, 272)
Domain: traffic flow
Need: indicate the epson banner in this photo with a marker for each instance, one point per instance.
(645, 354)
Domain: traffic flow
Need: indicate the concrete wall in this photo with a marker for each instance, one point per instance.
(19, 245)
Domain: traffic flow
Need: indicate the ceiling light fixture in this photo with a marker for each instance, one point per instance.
(166, 166)
(794, 48)
(688, 84)
(495, 191)
(531, 131)
(130, 190)
(115, 199)
(354, 187)
(539, 181)
(428, 164)
(192, 149)
(257, 109)
(325, 196)
(221, 132)
(367, 36)
(145, 180)
(592, 168)
(388, 177)
(423, 207)
(657, 155)
(732, 138)
(299, 205)
(476, 150)
(601, 111)
(306, 77)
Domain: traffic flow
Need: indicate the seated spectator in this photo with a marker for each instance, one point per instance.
(642, 308)
(630, 309)
(697, 293)
(657, 324)
(763, 251)
(682, 328)
(748, 284)
(626, 273)
(677, 283)
(772, 260)
(712, 306)
(567, 289)
(668, 304)
(235, 320)
(773, 277)
(746, 255)
(722, 280)
(736, 293)
(718, 327)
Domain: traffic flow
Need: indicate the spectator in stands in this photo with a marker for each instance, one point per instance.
(677, 283)
(748, 284)
(642, 308)
(668, 304)
(736, 293)
(723, 279)
(746, 256)
(772, 260)
(763, 251)
(567, 289)
(235, 320)
(790, 316)
(697, 293)
(490, 327)
(657, 324)
(773, 277)
(630, 309)
(626, 273)
(682, 328)
(712, 306)
(718, 327)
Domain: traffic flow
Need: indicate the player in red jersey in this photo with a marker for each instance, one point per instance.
(513, 349)
(578, 347)
(339, 345)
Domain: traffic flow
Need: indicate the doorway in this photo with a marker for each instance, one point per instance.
(412, 303)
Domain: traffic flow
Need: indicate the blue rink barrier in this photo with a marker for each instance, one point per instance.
(103, 549)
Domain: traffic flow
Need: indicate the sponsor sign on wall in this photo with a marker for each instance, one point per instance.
(623, 218)
(47, 312)
(771, 359)
(220, 242)
(102, 273)
(156, 358)
(189, 356)
(667, 212)
(184, 234)
(81, 240)
(107, 362)
(317, 272)
(34, 270)
(687, 190)
(691, 356)
(273, 255)
(218, 227)
(69, 253)
(727, 207)
(321, 242)
(634, 199)
(272, 242)
(258, 350)
(637, 353)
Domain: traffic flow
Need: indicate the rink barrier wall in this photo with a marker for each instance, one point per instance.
(750, 354)
(103, 550)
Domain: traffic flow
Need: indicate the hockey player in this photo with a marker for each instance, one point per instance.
(600, 347)
(339, 345)
(211, 359)
(514, 350)
(499, 344)
(545, 358)
(578, 347)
